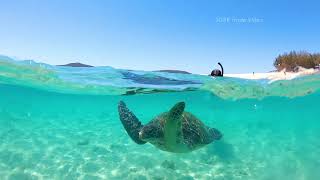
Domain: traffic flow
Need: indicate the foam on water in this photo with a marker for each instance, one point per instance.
(57, 127)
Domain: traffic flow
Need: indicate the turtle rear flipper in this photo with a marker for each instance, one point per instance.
(215, 134)
(211, 135)
(130, 123)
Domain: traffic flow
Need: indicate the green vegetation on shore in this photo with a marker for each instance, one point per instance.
(290, 61)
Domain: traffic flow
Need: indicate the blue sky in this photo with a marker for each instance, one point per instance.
(159, 34)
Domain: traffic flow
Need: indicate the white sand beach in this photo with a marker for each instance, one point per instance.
(274, 76)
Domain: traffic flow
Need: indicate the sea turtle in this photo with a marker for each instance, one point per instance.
(174, 131)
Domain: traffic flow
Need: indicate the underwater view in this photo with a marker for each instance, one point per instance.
(63, 123)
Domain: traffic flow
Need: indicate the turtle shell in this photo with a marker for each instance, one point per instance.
(193, 133)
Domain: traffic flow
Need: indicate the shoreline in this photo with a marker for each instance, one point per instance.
(275, 76)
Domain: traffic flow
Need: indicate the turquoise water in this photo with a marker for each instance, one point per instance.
(62, 123)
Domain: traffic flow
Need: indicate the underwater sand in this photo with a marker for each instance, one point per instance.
(49, 133)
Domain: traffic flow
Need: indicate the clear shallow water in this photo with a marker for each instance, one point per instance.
(62, 123)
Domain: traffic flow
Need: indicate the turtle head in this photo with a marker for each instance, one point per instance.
(150, 133)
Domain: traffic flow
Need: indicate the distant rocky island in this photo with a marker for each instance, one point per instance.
(77, 64)
(174, 71)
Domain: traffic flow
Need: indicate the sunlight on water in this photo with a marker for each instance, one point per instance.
(56, 127)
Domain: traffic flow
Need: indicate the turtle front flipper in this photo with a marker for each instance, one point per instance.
(130, 122)
(172, 127)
